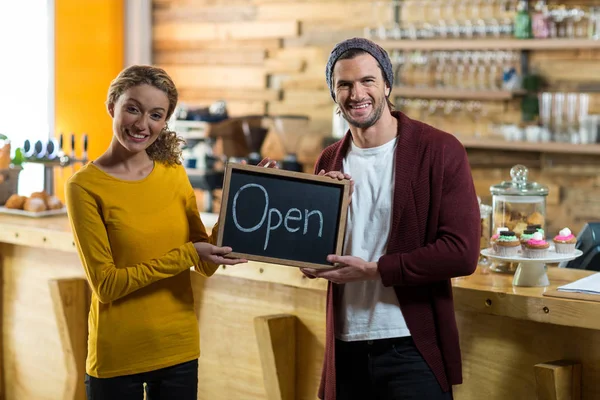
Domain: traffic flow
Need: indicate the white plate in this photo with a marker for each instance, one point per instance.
(31, 214)
(553, 256)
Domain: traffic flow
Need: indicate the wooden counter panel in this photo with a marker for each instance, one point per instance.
(492, 293)
(53, 233)
(226, 310)
(499, 355)
(34, 366)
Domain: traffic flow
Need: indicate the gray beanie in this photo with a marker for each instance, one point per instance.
(363, 44)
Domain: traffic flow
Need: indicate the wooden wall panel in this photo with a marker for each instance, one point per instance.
(200, 95)
(201, 76)
(233, 45)
(189, 31)
(254, 57)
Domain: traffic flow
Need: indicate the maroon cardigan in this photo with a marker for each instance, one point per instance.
(434, 236)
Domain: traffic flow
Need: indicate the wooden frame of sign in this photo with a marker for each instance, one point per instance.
(238, 227)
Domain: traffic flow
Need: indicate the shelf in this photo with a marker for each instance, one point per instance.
(490, 44)
(458, 94)
(551, 147)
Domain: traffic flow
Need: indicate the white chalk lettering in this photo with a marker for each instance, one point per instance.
(308, 214)
(271, 227)
(288, 217)
(293, 214)
(235, 199)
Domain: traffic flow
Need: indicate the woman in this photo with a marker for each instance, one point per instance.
(138, 232)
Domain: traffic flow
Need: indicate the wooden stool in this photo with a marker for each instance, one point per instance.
(558, 380)
(71, 300)
(276, 337)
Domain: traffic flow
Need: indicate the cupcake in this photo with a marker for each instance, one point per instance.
(538, 228)
(536, 247)
(496, 236)
(508, 244)
(565, 241)
(525, 236)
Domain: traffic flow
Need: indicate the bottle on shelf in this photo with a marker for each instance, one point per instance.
(522, 21)
(540, 21)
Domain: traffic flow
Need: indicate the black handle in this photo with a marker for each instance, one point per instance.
(73, 143)
(60, 142)
(85, 142)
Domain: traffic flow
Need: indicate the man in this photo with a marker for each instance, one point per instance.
(413, 224)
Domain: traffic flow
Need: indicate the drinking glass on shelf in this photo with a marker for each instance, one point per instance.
(489, 15)
(575, 22)
(479, 25)
(383, 19)
(471, 60)
(571, 126)
(476, 111)
(594, 23)
(440, 58)
(465, 23)
(452, 26)
(589, 129)
(584, 105)
(507, 10)
(545, 99)
(458, 61)
(558, 117)
(581, 134)
(398, 62)
(439, 28)
(493, 60)
(448, 69)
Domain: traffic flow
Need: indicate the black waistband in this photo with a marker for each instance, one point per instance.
(377, 343)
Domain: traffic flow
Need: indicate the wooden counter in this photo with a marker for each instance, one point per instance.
(504, 330)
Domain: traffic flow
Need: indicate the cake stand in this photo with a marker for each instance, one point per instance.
(532, 271)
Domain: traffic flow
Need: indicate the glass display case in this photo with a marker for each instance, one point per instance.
(515, 205)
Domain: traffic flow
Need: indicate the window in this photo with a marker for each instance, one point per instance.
(26, 73)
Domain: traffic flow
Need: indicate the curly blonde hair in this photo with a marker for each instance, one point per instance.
(167, 147)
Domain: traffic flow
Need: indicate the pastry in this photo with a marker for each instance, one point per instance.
(525, 236)
(54, 203)
(15, 202)
(537, 228)
(519, 228)
(39, 195)
(565, 241)
(35, 204)
(507, 244)
(536, 247)
(535, 219)
(496, 236)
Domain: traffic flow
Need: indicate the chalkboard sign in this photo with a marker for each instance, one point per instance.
(282, 217)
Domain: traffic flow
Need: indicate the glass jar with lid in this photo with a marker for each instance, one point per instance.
(516, 204)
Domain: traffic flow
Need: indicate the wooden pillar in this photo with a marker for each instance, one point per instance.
(71, 299)
(276, 337)
(558, 380)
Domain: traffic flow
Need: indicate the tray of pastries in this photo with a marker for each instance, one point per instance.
(38, 205)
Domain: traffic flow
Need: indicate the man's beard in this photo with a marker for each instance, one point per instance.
(372, 120)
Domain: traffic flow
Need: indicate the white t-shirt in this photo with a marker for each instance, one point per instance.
(368, 309)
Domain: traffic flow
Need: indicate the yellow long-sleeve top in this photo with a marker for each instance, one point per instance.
(135, 243)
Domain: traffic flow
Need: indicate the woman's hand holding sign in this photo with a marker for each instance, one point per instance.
(216, 254)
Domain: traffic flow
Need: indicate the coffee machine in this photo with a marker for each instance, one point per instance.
(290, 129)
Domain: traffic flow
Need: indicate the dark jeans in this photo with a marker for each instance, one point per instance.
(179, 382)
(386, 369)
